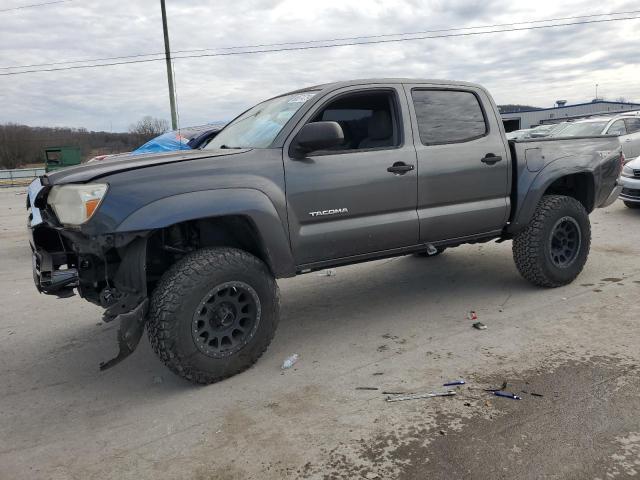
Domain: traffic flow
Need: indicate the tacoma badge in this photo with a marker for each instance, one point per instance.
(333, 211)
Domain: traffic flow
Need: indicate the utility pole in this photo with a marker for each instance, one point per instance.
(167, 55)
(596, 89)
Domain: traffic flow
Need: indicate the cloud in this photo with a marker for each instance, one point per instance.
(533, 67)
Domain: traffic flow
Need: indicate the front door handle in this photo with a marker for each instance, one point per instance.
(491, 159)
(400, 168)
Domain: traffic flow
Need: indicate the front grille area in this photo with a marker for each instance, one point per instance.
(631, 192)
(636, 172)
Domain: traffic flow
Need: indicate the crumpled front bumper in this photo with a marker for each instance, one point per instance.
(107, 270)
(54, 266)
(48, 279)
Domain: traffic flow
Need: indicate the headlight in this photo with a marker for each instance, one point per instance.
(627, 171)
(75, 204)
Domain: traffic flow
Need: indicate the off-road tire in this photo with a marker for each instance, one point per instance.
(177, 296)
(632, 205)
(532, 246)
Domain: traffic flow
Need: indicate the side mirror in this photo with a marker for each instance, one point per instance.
(317, 136)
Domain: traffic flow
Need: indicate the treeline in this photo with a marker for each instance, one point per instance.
(21, 145)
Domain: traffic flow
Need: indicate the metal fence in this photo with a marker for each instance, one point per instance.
(19, 176)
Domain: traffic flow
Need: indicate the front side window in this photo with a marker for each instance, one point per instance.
(617, 128)
(259, 126)
(448, 116)
(368, 120)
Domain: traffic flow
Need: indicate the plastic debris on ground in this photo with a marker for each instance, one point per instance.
(453, 382)
(290, 361)
(329, 272)
(500, 393)
(472, 315)
(416, 396)
(479, 326)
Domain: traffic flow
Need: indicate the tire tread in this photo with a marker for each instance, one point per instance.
(528, 244)
(180, 278)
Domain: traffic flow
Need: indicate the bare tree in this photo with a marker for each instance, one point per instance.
(148, 127)
(22, 145)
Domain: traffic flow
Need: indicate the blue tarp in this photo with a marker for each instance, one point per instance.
(167, 142)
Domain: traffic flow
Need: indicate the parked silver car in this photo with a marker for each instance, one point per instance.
(624, 126)
(630, 181)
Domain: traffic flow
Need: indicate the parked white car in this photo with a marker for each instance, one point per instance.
(625, 126)
(540, 131)
(630, 181)
(519, 134)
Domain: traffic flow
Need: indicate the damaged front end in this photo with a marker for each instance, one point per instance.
(108, 270)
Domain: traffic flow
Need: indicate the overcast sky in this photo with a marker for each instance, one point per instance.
(533, 67)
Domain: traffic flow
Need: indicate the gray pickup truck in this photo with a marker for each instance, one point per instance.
(190, 243)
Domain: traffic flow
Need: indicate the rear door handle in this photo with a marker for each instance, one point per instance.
(400, 168)
(491, 159)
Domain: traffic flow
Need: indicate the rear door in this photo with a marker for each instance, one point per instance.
(347, 201)
(463, 165)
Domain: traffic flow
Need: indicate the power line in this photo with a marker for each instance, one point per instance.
(420, 32)
(312, 47)
(33, 5)
(305, 42)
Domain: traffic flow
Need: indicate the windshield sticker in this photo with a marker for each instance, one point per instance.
(301, 98)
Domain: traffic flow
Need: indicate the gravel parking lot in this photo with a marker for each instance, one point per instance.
(398, 324)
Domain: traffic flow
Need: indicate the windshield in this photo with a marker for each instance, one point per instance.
(259, 126)
(585, 129)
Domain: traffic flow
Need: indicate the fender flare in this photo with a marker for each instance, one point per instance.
(250, 203)
(536, 189)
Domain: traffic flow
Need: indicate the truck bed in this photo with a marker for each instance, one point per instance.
(537, 161)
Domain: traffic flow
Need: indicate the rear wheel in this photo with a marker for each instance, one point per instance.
(554, 247)
(632, 204)
(213, 314)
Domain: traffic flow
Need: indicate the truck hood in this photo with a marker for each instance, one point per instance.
(109, 166)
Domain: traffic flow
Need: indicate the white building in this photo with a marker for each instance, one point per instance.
(531, 118)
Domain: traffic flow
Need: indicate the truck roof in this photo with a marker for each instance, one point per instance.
(369, 81)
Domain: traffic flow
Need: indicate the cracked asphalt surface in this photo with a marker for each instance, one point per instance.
(397, 325)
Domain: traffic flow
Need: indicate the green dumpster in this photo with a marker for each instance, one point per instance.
(56, 158)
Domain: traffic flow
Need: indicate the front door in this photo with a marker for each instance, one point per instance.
(360, 197)
(463, 166)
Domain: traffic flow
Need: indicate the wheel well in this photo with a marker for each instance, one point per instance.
(578, 185)
(168, 245)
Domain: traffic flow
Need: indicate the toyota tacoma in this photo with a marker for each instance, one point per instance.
(189, 244)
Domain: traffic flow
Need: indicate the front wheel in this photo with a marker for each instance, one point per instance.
(554, 247)
(213, 314)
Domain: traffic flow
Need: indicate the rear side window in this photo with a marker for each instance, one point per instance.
(633, 125)
(448, 116)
